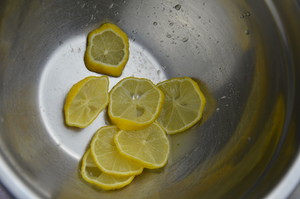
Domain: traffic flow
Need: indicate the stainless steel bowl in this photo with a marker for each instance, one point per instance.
(244, 54)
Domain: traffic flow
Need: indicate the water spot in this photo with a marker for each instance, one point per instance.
(185, 39)
(247, 32)
(135, 96)
(198, 35)
(217, 109)
(164, 68)
(155, 23)
(169, 35)
(111, 6)
(199, 17)
(171, 24)
(223, 97)
(178, 7)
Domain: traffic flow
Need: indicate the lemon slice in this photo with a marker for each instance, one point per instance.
(149, 147)
(134, 103)
(108, 158)
(184, 104)
(107, 50)
(92, 174)
(85, 100)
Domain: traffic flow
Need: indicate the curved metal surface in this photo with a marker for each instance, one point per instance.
(243, 54)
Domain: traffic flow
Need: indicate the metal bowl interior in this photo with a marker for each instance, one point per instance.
(240, 52)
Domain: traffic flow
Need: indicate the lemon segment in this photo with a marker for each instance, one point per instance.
(93, 175)
(135, 103)
(184, 104)
(85, 100)
(149, 147)
(107, 50)
(107, 157)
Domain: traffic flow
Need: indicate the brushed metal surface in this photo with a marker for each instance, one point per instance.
(243, 55)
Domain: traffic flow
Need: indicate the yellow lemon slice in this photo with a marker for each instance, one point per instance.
(184, 104)
(107, 157)
(85, 100)
(149, 147)
(92, 174)
(134, 103)
(107, 50)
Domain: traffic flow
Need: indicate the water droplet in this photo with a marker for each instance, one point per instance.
(171, 24)
(199, 17)
(155, 23)
(185, 39)
(217, 109)
(246, 32)
(111, 6)
(169, 35)
(246, 14)
(177, 7)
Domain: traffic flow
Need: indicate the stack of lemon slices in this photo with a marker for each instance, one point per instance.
(142, 113)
